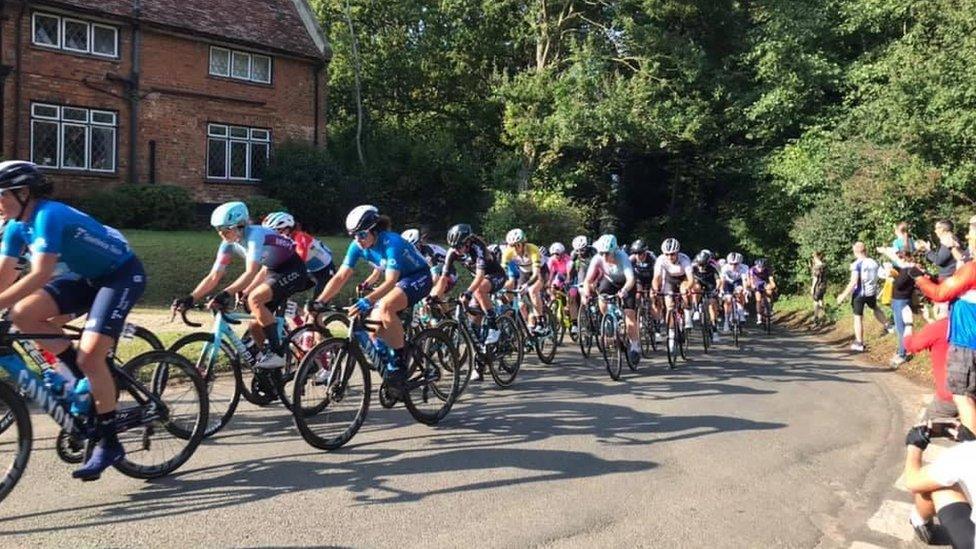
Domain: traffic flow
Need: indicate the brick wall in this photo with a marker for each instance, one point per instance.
(179, 99)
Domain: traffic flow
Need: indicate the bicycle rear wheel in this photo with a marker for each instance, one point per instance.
(611, 355)
(16, 438)
(465, 348)
(547, 340)
(671, 342)
(165, 432)
(648, 336)
(584, 323)
(331, 394)
(221, 371)
(505, 357)
(434, 380)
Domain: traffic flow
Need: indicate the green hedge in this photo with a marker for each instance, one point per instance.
(158, 207)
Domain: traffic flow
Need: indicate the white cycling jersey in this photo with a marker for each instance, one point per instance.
(680, 268)
(734, 274)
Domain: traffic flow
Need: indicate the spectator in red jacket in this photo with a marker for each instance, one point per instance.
(933, 337)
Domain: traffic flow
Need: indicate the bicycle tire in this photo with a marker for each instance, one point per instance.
(345, 365)
(671, 341)
(624, 343)
(294, 351)
(437, 352)
(611, 356)
(466, 349)
(648, 337)
(706, 328)
(19, 418)
(224, 403)
(506, 356)
(169, 372)
(584, 325)
(547, 353)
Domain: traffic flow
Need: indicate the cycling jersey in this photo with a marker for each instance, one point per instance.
(706, 275)
(392, 252)
(620, 272)
(760, 277)
(581, 262)
(673, 270)
(478, 258)
(530, 260)
(259, 244)
(312, 251)
(643, 266)
(85, 246)
(961, 289)
(559, 269)
(433, 253)
(733, 276)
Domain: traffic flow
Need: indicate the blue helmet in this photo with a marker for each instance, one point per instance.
(230, 214)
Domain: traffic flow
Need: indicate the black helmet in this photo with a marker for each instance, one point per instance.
(16, 174)
(703, 257)
(638, 247)
(458, 234)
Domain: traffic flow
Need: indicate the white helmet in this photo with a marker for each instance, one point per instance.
(670, 246)
(278, 220)
(734, 258)
(515, 236)
(606, 243)
(557, 248)
(411, 235)
(362, 218)
(580, 242)
(231, 214)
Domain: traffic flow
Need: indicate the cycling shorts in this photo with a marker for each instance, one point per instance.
(291, 277)
(416, 286)
(729, 288)
(961, 371)
(608, 287)
(107, 299)
(322, 277)
(672, 285)
(957, 520)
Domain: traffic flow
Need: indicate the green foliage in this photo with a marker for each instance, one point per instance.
(545, 216)
(308, 183)
(163, 207)
(259, 206)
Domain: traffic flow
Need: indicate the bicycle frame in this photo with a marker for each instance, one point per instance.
(31, 385)
(223, 328)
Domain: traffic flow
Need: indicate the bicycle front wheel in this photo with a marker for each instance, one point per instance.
(163, 409)
(220, 370)
(505, 357)
(547, 340)
(611, 346)
(16, 438)
(465, 347)
(434, 378)
(584, 324)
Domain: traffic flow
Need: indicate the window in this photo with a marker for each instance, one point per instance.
(240, 65)
(75, 35)
(73, 138)
(237, 153)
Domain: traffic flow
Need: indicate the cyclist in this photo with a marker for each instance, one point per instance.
(581, 255)
(407, 281)
(104, 279)
(735, 282)
(433, 253)
(706, 272)
(316, 255)
(612, 268)
(525, 272)
(763, 283)
(672, 275)
(273, 271)
(560, 277)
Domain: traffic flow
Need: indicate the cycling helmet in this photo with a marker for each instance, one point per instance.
(638, 246)
(411, 235)
(495, 249)
(458, 234)
(16, 174)
(703, 257)
(557, 248)
(278, 221)
(734, 258)
(230, 214)
(606, 243)
(670, 246)
(362, 218)
(515, 236)
(759, 263)
(580, 242)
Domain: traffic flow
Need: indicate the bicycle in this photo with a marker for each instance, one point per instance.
(706, 322)
(735, 320)
(221, 358)
(498, 356)
(765, 309)
(588, 321)
(677, 341)
(558, 305)
(544, 342)
(155, 411)
(647, 325)
(327, 378)
(613, 332)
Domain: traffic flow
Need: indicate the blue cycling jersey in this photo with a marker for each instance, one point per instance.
(85, 246)
(392, 252)
(258, 244)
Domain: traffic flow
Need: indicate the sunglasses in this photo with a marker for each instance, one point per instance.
(360, 235)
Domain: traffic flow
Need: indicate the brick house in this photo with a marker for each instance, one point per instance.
(194, 93)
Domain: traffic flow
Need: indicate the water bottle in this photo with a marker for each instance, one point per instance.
(365, 343)
(59, 380)
(250, 349)
(383, 351)
(307, 341)
(81, 398)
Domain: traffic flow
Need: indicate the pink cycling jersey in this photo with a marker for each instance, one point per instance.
(559, 267)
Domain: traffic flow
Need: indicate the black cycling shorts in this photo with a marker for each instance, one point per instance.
(608, 287)
(289, 278)
(957, 520)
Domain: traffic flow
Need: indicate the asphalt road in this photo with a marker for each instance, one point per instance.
(783, 443)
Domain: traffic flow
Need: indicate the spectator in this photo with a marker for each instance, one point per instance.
(971, 237)
(961, 370)
(933, 337)
(818, 273)
(945, 487)
(863, 290)
(902, 241)
(942, 256)
(903, 288)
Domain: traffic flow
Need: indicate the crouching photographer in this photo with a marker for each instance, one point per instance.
(945, 487)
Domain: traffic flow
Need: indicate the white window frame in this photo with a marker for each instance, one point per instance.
(213, 133)
(34, 41)
(256, 79)
(88, 124)
(91, 40)
(89, 33)
(210, 63)
(231, 54)
(64, 35)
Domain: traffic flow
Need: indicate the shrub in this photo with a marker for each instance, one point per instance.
(158, 207)
(308, 183)
(260, 206)
(544, 215)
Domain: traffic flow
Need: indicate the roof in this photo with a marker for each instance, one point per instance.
(284, 25)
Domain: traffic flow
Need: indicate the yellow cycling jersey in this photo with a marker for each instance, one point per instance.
(527, 262)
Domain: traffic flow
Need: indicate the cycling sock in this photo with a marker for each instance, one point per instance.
(490, 318)
(69, 357)
(271, 334)
(399, 357)
(106, 424)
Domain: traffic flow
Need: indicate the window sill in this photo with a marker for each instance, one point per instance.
(269, 85)
(51, 49)
(80, 173)
(233, 182)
